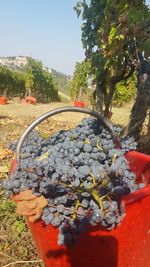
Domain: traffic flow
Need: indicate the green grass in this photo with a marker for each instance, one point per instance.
(15, 239)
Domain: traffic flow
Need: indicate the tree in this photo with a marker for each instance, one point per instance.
(79, 83)
(18, 84)
(11, 83)
(5, 81)
(142, 102)
(34, 80)
(114, 36)
(28, 78)
(125, 92)
(39, 82)
(62, 81)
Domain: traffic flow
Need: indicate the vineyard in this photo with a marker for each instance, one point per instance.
(79, 177)
(13, 121)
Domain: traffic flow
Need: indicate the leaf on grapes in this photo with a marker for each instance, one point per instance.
(4, 169)
(30, 205)
(43, 156)
(87, 141)
(25, 195)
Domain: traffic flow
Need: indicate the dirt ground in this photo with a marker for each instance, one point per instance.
(27, 111)
(15, 117)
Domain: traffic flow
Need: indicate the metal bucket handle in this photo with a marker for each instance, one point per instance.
(51, 113)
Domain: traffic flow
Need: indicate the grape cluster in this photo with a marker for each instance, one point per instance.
(82, 175)
(128, 144)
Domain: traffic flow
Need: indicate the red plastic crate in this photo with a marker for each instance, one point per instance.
(80, 104)
(3, 100)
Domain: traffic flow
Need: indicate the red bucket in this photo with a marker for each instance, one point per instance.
(3, 100)
(126, 246)
(80, 104)
(31, 100)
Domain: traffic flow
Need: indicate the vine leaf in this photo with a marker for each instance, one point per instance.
(30, 205)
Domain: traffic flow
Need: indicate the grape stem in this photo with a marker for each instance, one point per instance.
(99, 146)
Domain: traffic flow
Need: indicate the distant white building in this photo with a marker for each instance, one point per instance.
(47, 69)
(19, 61)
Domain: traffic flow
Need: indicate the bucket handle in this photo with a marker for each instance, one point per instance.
(51, 113)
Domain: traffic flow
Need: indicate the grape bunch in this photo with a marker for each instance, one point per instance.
(81, 174)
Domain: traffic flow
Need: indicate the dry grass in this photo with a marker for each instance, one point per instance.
(121, 115)
(27, 111)
(15, 117)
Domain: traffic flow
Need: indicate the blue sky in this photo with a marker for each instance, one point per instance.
(48, 29)
(148, 2)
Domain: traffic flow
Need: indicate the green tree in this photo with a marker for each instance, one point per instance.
(5, 81)
(39, 82)
(114, 36)
(79, 83)
(18, 84)
(28, 79)
(11, 83)
(50, 89)
(125, 92)
(62, 81)
(33, 81)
